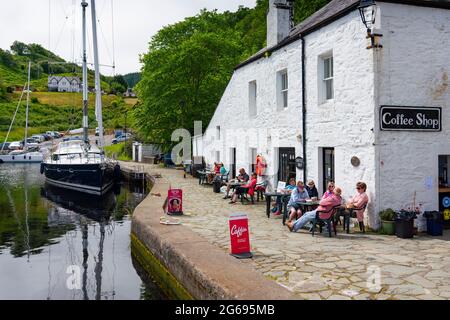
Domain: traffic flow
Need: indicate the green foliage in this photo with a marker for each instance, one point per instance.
(2, 90)
(119, 151)
(387, 215)
(189, 64)
(132, 79)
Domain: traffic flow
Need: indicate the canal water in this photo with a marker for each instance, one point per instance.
(62, 245)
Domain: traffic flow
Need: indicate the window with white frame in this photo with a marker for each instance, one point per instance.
(282, 89)
(217, 156)
(328, 78)
(252, 92)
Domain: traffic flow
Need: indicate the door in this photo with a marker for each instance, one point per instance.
(328, 167)
(233, 162)
(286, 164)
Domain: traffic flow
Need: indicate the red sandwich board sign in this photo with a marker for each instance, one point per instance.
(175, 202)
(240, 236)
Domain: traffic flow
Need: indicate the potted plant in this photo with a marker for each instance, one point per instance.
(388, 221)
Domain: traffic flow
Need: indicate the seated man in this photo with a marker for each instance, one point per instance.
(245, 189)
(299, 194)
(327, 204)
(242, 177)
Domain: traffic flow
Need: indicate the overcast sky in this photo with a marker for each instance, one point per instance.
(135, 22)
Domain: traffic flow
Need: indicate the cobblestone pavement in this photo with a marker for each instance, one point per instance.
(318, 267)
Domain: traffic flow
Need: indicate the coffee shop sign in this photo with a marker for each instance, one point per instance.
(411, 118)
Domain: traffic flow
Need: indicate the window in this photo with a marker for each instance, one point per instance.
(282, 89)
(253, 155)
(218, 132)
(328, 75)
(252, 90)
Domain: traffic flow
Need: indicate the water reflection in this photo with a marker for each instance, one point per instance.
(58, 244)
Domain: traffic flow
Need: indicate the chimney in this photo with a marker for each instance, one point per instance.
(278, 21)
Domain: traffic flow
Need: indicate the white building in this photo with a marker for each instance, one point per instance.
(317, 92)
(64, 84)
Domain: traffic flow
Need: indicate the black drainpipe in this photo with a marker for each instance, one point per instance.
(305, 163)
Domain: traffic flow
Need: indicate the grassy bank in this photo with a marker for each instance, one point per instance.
(118, 151)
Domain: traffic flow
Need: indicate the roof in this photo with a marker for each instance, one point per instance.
(330, 13)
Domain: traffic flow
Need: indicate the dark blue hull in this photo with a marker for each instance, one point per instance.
(94, 179)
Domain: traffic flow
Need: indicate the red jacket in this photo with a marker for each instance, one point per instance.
(327, 204)
(251, 186)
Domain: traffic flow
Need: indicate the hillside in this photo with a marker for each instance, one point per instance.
(14, 67)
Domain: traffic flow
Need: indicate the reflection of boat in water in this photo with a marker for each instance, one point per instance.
(93, 207)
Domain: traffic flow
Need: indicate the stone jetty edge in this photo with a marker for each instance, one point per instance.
(188, 266)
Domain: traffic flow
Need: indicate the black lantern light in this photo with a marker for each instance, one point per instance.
(368, 11)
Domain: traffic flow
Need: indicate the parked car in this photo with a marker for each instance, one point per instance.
(54, 134)
(118, 133)
(4, 146)
(38, 137)
(31, 142)
(72, 138)
(47, 137)
(16, 145)
(122, 138)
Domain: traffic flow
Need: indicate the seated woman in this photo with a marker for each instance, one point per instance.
(215, 172)
(245, 189)
(299, 194)
(277, 209)
(330, 190)
(359, 201)
(312, 190)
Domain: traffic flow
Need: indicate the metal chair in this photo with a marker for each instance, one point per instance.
(326, 219)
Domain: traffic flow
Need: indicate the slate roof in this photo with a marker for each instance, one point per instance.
(331, 12)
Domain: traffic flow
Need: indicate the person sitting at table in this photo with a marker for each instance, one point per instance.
(312, 190)
(359, 201)
(278, 207)
(242, 177)
(245, 189)
(298, 195)
(330, 190)
(325, 205)
(223, 171)
(215, 172)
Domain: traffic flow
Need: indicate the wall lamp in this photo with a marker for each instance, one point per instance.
(368, 11)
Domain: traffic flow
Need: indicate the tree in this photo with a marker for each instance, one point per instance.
(185, 72)
(19, 48)
(2, 90)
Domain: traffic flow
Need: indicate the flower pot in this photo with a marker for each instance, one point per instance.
(388, 227)
(404, 229)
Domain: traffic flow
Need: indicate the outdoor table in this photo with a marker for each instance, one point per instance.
(284, 200)
(308, 206)
(202, 174)
(347, 213)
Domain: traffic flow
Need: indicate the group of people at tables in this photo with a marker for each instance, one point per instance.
(299, 194)
(332, 198)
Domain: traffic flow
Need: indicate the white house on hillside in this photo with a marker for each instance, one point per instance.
(325, 102)
(64, 84)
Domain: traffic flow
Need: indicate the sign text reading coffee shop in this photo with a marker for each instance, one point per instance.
(411, 118)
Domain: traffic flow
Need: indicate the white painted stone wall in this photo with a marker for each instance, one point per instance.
(346, 122)
(414, 71)
(272, 127)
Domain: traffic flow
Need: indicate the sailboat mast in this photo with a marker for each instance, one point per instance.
(98, 89)
(25, 147)
(85, 79)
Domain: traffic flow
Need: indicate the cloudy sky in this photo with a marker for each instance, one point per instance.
(58, 23)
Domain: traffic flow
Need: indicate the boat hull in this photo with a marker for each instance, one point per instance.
(95, 179)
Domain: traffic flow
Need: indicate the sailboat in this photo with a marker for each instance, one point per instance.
(26, 155)
(77, 164)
